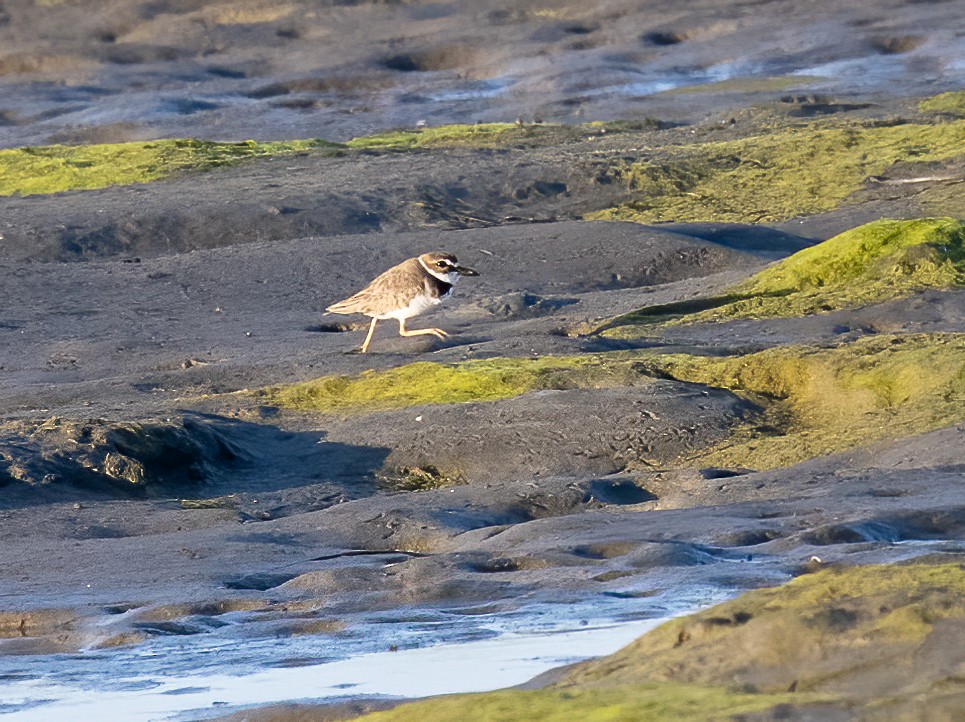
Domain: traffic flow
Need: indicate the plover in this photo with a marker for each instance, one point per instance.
(405, 291)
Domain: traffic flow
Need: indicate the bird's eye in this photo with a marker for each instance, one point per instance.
(442, 264)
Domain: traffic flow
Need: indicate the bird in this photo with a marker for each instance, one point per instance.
(404, 291)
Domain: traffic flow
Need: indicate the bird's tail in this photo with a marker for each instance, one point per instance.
(341, 307)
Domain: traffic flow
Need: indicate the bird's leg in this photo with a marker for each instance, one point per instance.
(365, 346)
(438, 332)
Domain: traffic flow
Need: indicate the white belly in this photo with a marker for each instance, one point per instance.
(417, 305)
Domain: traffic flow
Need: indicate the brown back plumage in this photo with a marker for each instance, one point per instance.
(391, 290)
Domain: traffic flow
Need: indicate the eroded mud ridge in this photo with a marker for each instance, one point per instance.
(683, 374)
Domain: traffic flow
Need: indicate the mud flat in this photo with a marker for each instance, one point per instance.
(715, 356)
(119, 70)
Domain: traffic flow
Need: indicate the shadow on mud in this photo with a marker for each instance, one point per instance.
(761, 241)
(662, 313)
(904, 527)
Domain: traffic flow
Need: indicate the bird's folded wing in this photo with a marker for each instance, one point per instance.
(392, 290)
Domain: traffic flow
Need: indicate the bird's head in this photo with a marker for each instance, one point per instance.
(444, 264)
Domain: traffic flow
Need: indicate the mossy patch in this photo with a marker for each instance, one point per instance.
(445, 135)
(952, 103)
(821, 400)
(816, 631)
(491, 135)
(875, 262)
(833, 638)
(815, 401)
(644, 702)
(433, 383)
(775, 176)
(57, 168)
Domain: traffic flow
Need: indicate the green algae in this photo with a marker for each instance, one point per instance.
(908, 584)
(445, 135)
(875, 262)
(820, 400)
(434, 383)
(57, 168)
(643, 702)
(776, 176)
(952, 103)
(816, 630)
(816, 640)
(813, 401)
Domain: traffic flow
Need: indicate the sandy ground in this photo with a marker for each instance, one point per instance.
(154, 304)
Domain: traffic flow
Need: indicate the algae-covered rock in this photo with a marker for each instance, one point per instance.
(869, 264)
(822, 400)
(433, 383)
(951, 103)
(815, 401)
(57, 168)
(848, 631)
(475, 134)
(866, 640)
(776, 176)
(644, 702)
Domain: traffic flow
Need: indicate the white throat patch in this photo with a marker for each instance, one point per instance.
(449, 277)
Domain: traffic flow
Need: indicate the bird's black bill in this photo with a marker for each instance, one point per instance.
(463, 271)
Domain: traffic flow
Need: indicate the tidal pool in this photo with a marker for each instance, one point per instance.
(416, 654)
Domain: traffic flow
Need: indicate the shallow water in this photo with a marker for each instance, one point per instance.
(190, 678)
(470, 667)
(403, 653)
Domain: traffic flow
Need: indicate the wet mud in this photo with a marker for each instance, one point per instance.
(157, 505)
